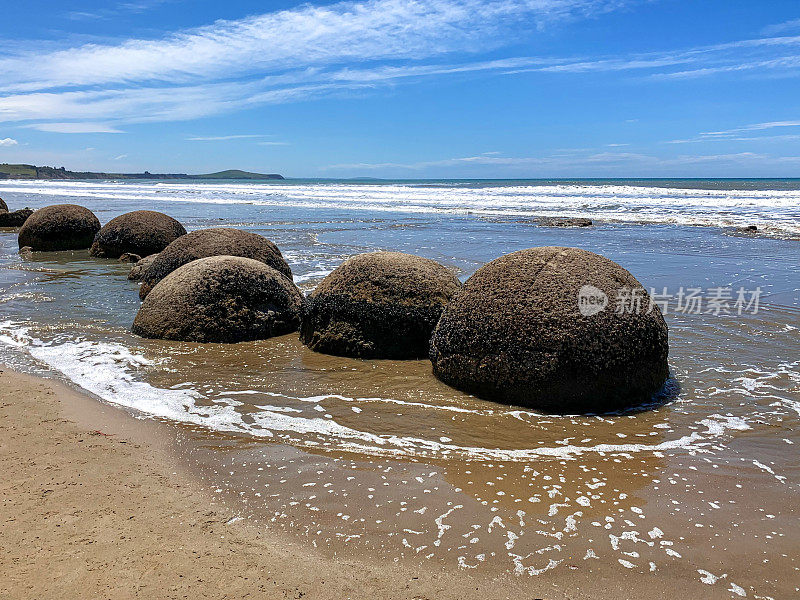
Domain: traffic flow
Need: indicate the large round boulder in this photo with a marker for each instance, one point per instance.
(59, 227)
(212, 242)
(220, 299)
(378, 305)
(142, 232)
(557, 329)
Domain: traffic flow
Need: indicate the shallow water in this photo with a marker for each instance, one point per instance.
(380, 456)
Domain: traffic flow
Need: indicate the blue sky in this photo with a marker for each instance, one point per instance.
(405, 88)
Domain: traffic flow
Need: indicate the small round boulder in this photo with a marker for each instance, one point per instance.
(142, 232)
(557, 329)
(212, 242)
(224, 299)
(59, 227)
(139, 268)
(378, 305)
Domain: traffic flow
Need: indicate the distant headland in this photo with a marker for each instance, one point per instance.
(20, 171)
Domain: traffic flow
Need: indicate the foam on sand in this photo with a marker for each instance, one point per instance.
(112, 372)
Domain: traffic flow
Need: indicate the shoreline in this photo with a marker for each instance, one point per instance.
(95, 506)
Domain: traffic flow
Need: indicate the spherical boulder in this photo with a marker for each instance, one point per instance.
(59, 227)
(212, 242)
(141, 232)
(139, 268)
(378, 305)
(220, 299)
(557, 329)
(3, 206)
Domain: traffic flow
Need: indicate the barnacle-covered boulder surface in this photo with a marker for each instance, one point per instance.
(141, 232)
(515, 334)
(59, 227)
(212, 242)
(378, 305)
(220, 299)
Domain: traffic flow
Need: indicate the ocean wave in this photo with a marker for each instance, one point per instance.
(775, 211)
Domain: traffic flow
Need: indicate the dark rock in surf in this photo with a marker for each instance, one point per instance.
(220, 299)
(378, 305)
(16, 218)
(59, 227)
(137, 270)
(213, 242)
(564, 222)
(539, 328)
(141, 232)
(3, 206)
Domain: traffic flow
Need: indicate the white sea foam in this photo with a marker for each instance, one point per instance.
(773, 210)
(114, 373)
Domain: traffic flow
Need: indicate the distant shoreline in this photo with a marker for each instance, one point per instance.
(23, 171)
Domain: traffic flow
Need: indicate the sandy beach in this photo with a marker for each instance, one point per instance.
(95, 507)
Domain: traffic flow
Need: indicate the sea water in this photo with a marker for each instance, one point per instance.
(380, 456)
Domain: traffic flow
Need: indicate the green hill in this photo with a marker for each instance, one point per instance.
(237, 174)
(20, 171)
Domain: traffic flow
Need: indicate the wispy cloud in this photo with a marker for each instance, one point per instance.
(313, 52)
(222, 138)
(8, 142)
(273, 143)
(603, 162)
(113, 10)
(300, 37)
(747, 133)
(74, 127)
(792, 25)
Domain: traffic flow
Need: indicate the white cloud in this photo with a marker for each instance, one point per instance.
(601, 162)
(221, 138)
(8, 142)
(747, 133)
(300, 37)
(781, 27)
(318, 51)
(75, 127)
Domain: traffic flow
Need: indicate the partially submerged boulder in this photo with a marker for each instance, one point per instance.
(220, 299)
(540, 328)
(59, 227)
(138, 269)
(378, 305)
(3, 206)
(141, 232)
(16, 218)
(212, 242)
(564, 222)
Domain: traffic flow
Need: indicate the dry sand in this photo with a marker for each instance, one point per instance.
(95, 507)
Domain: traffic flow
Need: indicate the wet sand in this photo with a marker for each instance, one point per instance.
(97, 505)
